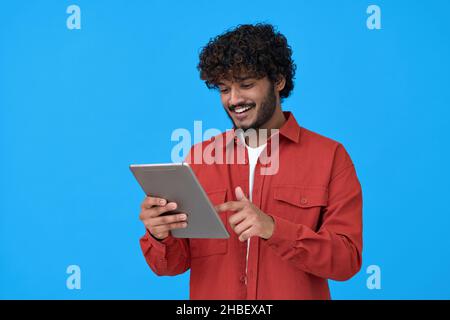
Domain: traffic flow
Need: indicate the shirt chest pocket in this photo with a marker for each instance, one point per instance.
(300, 204)
(201, 248)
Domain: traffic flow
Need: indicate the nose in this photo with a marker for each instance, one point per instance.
(235, 97)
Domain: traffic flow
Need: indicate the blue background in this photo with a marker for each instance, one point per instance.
(78, 106)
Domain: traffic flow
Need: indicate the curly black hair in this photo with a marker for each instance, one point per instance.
(254, 50)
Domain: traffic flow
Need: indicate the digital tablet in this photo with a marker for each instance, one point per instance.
(176, 182)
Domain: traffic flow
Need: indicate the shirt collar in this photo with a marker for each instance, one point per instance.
(290, 129)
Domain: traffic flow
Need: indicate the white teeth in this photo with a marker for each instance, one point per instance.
(240, 110)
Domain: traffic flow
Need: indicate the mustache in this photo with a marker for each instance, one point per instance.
(234, 106)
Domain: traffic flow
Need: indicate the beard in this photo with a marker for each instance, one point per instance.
(264, 113)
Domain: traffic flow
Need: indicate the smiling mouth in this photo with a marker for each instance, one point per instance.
(240, 110)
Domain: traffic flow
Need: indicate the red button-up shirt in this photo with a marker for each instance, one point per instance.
(315, 200)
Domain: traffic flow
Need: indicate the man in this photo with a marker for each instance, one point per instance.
(291, 229)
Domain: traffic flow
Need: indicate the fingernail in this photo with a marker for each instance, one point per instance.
(183, 217)
(162, 201)
(184, 225)
(172, 205)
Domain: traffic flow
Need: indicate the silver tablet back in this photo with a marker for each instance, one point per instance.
(177, 182)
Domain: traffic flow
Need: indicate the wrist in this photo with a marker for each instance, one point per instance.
(270, 228)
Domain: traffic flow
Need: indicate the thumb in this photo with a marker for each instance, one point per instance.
(240, 194)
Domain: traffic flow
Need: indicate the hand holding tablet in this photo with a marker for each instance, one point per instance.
(176, 203)
(155, 219)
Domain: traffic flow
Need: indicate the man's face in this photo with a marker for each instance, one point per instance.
(249, 102)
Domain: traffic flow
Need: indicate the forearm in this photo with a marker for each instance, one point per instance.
(326, 254)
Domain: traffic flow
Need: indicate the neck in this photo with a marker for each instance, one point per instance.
(275, 122)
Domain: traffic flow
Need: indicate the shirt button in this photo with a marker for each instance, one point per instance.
(243, 279)
(304, 201)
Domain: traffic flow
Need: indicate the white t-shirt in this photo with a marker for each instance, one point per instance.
(253, 155)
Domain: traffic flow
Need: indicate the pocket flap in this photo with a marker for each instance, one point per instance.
(302, 196)
(208, 247)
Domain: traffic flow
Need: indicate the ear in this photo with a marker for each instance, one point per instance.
(280, 83)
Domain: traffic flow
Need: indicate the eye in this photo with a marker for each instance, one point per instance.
(247, 85)
(224, 90)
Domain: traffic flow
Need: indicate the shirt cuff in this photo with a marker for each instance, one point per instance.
(283, 231)
(160, 245)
